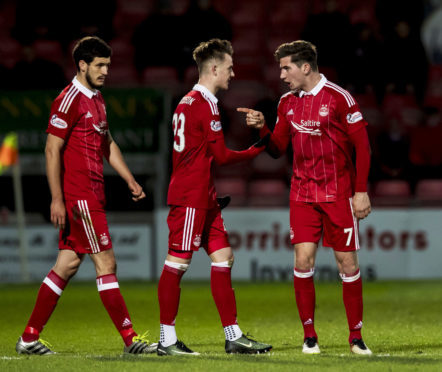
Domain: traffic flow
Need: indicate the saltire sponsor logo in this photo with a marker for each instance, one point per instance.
(58, 122)
(305, 129)
(354, 118)
(101, 127)
(215, 125)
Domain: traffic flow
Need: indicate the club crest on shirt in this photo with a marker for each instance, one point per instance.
(58, 122)
(215, 125)
(197, 240)
(323, 111)
(354, 118)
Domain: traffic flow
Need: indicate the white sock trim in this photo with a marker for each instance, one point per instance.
(349, 279)
(301, 274)
(54, 287)
(232, 332)
(177, 265)
(223, 264)
(167, 335)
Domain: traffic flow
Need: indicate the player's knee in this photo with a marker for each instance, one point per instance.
(106, 267)
(67, 270)
(350, 276)
(227, 264)
(177, 265)
(304, 263)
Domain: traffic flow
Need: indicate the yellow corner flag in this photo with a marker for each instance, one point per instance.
(9, 151)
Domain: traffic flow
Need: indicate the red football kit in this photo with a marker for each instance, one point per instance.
(78, 116)
(198, 140)
(324, 126)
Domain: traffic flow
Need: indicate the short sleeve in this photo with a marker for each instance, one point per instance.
(350, 115)
(60, 122)
(211, 122)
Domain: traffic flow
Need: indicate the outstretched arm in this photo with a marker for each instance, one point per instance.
(361, 200)
(53, 148)
(116, 161)
(223, 155)
(278, 140)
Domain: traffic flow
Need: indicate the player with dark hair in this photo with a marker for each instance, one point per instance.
(78, 139)
(195, 217)
(328, 195)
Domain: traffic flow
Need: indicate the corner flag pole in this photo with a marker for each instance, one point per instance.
(21, 222)
(9, 157)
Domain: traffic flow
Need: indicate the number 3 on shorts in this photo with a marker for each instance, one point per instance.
(348, 231)
(178, 130)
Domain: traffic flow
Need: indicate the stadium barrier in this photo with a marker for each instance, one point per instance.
(395, 244)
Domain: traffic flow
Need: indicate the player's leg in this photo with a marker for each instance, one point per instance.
(305, 294)
(341, 233)
(113, 301)
(305, 232)
(93, 238)
(67, 264)
(185, 228)
(218, 248)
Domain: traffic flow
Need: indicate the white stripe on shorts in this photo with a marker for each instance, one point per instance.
(53, 286)
(88, 227)
(188, 228)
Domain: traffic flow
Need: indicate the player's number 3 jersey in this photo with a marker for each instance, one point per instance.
(195, 123)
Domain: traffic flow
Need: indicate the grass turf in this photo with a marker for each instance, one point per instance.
(402, 326)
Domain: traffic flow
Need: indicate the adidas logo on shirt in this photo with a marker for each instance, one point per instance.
(88, 115)
(290, 112)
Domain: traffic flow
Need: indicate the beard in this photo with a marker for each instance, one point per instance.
(91, 83)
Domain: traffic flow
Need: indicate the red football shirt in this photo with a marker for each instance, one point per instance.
(78, 116)
(319, 123)
(196, 122)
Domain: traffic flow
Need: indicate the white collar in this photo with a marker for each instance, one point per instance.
(206, 92)
(317, 88)
(86, 91)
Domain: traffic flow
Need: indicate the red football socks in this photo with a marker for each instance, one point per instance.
(113, 301)
(223, 294)
(169, 294)
(352, 296)
(47, 298)
(305, 300)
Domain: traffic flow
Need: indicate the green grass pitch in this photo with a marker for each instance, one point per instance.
(402, 326)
